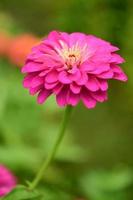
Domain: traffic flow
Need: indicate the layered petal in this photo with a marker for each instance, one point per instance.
(87, 99)
(43, 95)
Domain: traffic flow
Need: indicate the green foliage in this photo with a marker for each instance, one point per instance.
(47, 193)
(111, 185)
(9, 25)
(52, 193)
(22, 193)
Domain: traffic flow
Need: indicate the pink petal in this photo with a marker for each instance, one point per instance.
(64, 78)
(37, 81)
(43, 95)
(50, 86)
(83, 79)
(73, 70)
(44, 72)
(7, 181)
(92, 84)
(75, 76)
(79, 38)
(100, 68)
(87, 66)
(121, 77)
(106, 75)
(75, 88)
(88, 101)
(27, 81)
(101, 56)
(50, 62)
(61, 97)
(53, 39)
(116, 59)
(99, 96)
(58, 88)
(51, 77)
(103, 84)
(118, 73)
(65, 37)
(54, 35)
(51, 54)
(32, 67)
(36, 57)
(95, 67)
(33, 91)
(4, 191)
(73, 99)
(113, 48)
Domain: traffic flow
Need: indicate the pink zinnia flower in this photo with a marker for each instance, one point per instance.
(73, 67)
(7, 181)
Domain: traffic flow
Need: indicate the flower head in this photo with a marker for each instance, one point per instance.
(73, 67)
(7, 181)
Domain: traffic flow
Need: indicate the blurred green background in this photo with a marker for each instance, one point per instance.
(95, 161)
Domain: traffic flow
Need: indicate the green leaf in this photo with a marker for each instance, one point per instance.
(51, 192)
(100, 185)
(22, 193)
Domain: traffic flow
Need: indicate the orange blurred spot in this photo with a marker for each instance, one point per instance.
(20, 47)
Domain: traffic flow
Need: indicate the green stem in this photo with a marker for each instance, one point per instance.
(51, 155)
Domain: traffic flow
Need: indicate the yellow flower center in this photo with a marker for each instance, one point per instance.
(72, 55)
